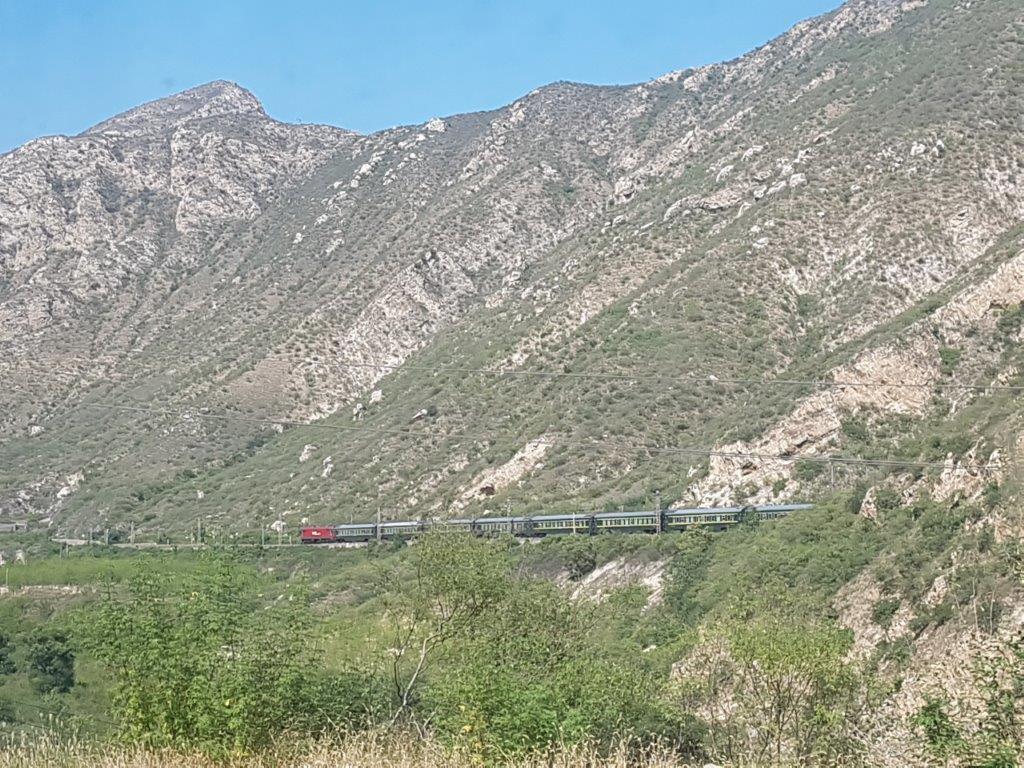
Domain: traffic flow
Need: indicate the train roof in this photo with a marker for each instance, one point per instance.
(501, 520)
(580, 516)
(702, 510)
(551, 518)
(612, 515)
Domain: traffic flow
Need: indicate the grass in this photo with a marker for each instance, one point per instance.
(88, 568)
(366, 750)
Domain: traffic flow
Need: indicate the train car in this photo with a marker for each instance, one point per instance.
(628, 522)
(775, 511)
(321, 535)
(355, 532)
(400, 529)
(544, 525)
(494, 526)
(459, 525)
(679, 519)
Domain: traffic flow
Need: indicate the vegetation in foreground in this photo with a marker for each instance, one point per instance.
(456, 650)
(367, 750)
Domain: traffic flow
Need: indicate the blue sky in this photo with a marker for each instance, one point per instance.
(67, 64)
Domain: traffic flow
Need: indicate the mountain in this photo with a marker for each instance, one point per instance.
(206, 312)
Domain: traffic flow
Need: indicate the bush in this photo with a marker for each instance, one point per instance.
(509, 663)
(1011, 320)
(202, 664)
(949, 358)
(806, 471)
(883, 612)
(580, 556)
(6, 650)
(51, 661)
(793, 697)
(534, 674)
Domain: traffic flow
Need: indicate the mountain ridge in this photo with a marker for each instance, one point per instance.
(775, 213)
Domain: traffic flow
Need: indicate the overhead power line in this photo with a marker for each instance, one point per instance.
(703, 378)
(554, 440)
(57, 713)
(709, 378)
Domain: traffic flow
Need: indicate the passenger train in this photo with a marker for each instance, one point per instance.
(537, 526)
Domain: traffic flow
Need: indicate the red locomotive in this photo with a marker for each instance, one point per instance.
(317, 535)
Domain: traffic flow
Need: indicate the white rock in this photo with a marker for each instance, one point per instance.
(307, 452)
(436, 125)
(72, 483)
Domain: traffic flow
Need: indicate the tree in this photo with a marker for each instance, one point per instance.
(535, 672)
(454, 579)
(7, 665)
(773, 685)
(51, 661)
(498, 663)
(206, 664)
(989, 736)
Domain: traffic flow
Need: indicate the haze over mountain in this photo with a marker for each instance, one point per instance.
(205, 312)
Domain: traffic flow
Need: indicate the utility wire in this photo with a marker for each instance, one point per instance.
(421, 434)
(57, 713)
(707, 379)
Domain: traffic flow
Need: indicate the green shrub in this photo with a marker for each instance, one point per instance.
(1011, 320)
(7, 665)
(201, 664)
(51, 660)
(883, 611)
(806, 471)
(949, 358)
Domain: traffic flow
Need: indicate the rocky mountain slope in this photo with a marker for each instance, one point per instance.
(207, 313)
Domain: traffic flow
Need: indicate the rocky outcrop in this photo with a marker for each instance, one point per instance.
(240, 287)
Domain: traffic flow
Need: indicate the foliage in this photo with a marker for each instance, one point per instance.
(452, 580)
(772, 685)
(532, 675)
(994, 738)
(7, 665)
(580, 556)
(883, 611)
(204, 664)
(942, 738)
(51, 660)
(499, 663)
(806, 471)
(1011, 320)
(949, 358)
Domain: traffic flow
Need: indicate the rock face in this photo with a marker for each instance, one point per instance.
(193, 295)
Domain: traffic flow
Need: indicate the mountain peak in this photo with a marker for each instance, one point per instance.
(215, 99)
